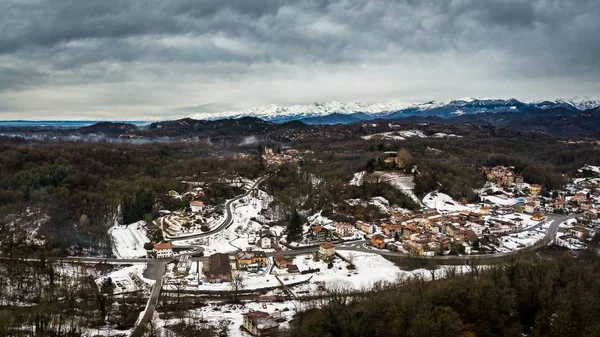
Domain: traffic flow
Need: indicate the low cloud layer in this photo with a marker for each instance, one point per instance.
(151, 59)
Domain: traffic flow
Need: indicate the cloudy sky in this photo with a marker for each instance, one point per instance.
(111, 59)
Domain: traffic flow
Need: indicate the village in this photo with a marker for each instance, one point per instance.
(213, 250)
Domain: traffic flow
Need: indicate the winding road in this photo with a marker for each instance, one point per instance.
(228, 216)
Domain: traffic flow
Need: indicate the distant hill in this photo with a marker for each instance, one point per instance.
(108, 128)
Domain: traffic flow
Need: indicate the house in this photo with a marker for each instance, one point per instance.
(219, 268)
(450, 229)
(196, 206)
(378, 241)
(320, 233)
(282, 262)
(184, 264)
(535, 189)
(367, 228)
(163, 250)
(580, 196)
(395, 246)
(407, 231)
(519, 181)
(559, 204)
(265, 242)
(258, 257)
(343, 229)
(591, 214)
(518, 222)
(579, 232)
(529, 207)
(586, 205)
(470, 235)
(538, 216)
(327, 250)
(259, 323)
(485, 209)
(391, 230)
(413, 247)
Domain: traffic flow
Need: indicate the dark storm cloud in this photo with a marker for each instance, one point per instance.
(46, 43)
(345, 31)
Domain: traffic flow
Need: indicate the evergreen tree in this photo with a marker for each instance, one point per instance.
(294, 228)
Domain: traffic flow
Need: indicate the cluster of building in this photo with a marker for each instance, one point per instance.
(283, 155)
(581, 195)
(506, 177)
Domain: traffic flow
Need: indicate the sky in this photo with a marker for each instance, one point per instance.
(148, 60)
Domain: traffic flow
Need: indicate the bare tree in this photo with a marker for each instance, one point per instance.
(237, 283)
(431, 267)
(351, 257)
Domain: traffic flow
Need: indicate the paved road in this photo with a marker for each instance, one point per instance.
(155, 271)
(228, 217)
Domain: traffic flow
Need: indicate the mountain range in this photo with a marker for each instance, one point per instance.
(352, 112)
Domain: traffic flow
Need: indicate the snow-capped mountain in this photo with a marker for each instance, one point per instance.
(281, 113)
(582, 102)
(350, 112)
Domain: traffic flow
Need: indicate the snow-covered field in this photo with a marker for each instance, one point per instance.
(444, 203)
(402, 182)
(500, 200)
(128, 241)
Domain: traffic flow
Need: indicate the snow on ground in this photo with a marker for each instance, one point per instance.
(402, 182)
(526, 219)
(128, 279)
(357, 180)
(380, 202)
(369, 269)
(236, 236)
(403, 135)
(595, 169)
(215, 312)
(128, 241)
(568, 223)
(444, 203)
(318, 219)
(500, 200)
(250, 207)
(444, 135)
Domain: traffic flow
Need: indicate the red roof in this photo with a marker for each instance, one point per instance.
(166, 245)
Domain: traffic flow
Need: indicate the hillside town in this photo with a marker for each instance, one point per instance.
(213, 254)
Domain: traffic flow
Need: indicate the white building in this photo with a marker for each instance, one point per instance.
(196, 206)
(343, 229)
(265, 242)
(163, 250)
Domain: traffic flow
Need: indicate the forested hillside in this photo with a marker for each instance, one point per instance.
(541, 298)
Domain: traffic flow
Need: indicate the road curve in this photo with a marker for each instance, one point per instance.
(228, 217)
